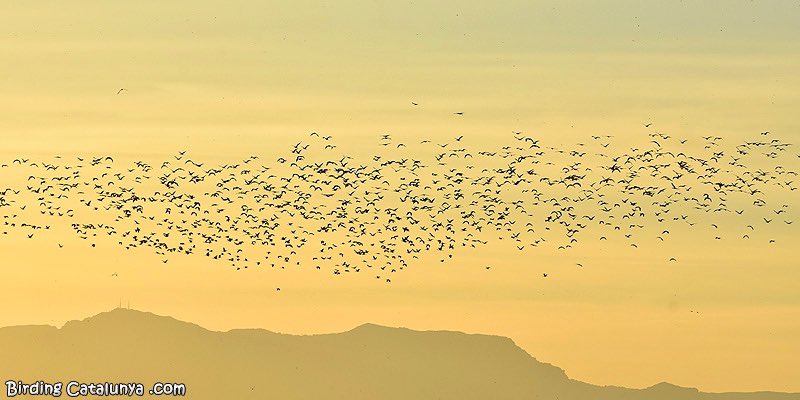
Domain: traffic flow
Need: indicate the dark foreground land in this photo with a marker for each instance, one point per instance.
(368, 362)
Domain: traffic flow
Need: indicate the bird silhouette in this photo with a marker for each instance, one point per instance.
(315, 204)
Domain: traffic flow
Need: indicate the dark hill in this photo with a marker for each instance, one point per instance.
(368, 362)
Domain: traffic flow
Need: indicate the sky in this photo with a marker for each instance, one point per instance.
(223, 80)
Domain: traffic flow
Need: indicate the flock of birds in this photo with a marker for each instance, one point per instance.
(316, 207)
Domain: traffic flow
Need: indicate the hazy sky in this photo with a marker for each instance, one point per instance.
(228, 79)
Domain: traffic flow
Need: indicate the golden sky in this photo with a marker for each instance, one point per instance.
(224, 80)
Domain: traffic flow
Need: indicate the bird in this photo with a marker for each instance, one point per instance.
(121, 90)
(387, 210)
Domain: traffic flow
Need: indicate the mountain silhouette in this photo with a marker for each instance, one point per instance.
(367, 362)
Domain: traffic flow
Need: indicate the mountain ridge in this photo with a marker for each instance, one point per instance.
(368, 361)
